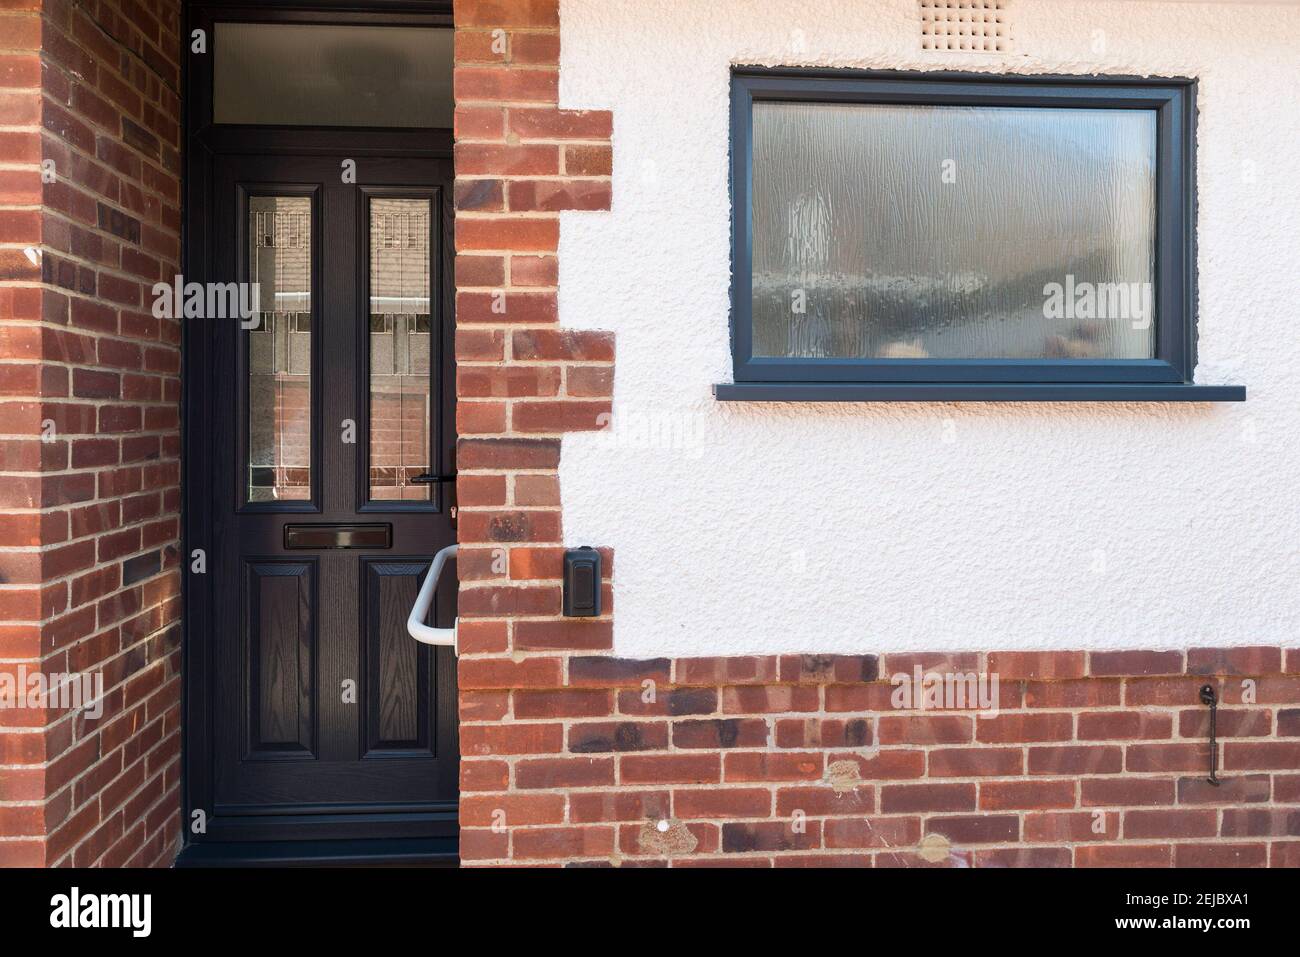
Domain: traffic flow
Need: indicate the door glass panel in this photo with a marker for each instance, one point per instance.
(301, 74)
(400, 346)
(279, 349)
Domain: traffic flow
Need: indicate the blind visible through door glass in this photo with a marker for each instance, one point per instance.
(279, 349)
(400, 348)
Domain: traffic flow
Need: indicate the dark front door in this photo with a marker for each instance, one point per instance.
(330, 409)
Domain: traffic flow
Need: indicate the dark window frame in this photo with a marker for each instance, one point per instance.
(1167, 376)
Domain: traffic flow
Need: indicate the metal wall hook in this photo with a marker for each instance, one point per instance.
(1208, 696)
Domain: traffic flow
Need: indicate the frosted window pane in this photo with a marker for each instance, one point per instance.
(296, 74)
(953, 232)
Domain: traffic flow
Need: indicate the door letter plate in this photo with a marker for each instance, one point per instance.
(339, 536)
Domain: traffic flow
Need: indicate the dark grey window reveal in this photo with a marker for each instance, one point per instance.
(903, 236)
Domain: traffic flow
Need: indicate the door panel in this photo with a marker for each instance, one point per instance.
(331, 407)
(400, 711)
(281, 664)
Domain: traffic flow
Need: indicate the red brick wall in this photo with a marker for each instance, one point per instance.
(1091, 760)
(570, 755)
(89, 579)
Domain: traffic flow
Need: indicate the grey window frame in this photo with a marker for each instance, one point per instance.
(1166, 377)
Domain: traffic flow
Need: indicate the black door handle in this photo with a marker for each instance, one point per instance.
(428, 478)
(1209, 697)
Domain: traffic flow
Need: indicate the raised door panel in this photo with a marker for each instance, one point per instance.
(281, 662)
(398, 669)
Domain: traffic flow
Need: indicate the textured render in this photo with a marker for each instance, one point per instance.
(792, 527)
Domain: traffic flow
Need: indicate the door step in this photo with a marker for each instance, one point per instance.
(387, 852)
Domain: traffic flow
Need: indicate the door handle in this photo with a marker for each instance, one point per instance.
(426, 634)
(429, 478)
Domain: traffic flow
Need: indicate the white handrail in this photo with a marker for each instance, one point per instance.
(415, 623)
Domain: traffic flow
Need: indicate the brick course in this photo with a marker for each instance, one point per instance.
(90, 446)
(577, 748)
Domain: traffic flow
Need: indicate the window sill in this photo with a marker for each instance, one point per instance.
(975, 392)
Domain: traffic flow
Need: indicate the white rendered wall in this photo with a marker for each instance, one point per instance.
(743, 528)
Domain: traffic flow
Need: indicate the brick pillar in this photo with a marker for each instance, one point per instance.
(89, 453)
(521, 383)
(23, 602)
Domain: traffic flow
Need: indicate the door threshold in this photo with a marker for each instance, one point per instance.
(380, 852)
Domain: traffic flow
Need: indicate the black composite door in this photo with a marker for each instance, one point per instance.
(332, 414)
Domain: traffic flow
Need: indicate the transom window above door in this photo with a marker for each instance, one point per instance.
(331, 75)
(941, 236)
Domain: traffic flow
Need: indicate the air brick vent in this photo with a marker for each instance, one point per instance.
(970, 26)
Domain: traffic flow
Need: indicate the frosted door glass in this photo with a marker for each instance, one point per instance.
(400, 340)
(295, 74)
(279, 349)
(953, 232)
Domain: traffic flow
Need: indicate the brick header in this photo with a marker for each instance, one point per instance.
(573, 756)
